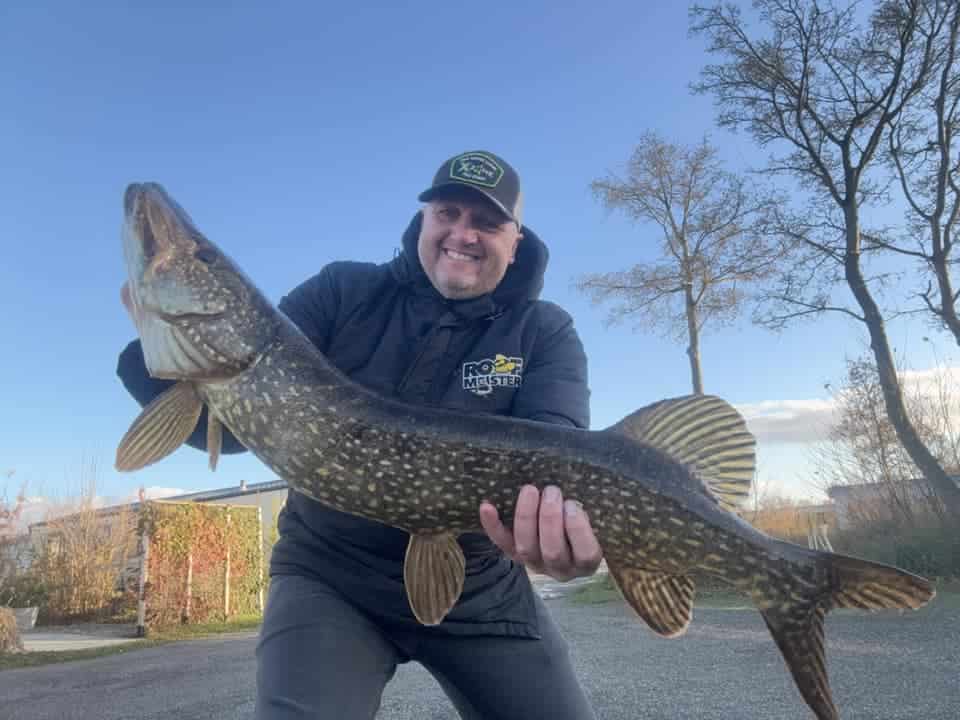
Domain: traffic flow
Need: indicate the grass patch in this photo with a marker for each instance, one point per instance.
(595, 592)
(154, 639)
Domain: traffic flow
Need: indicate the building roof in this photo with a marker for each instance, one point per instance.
(201, 496)
(229, 492)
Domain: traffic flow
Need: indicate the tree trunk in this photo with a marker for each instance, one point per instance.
(693, 349)
(948, 307)
(886, 369)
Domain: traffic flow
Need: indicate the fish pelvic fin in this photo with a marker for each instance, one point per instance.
(433, 572)
(162, 427)
(663, 601)
(704, 433)
(796, 623)
(214, 438)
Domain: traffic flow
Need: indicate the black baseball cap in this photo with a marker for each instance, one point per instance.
(484, 172)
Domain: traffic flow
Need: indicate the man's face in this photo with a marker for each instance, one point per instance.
(466, 245)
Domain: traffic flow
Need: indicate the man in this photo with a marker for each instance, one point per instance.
(454, 321)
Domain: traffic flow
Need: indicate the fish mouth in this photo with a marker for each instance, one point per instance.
(138, 222)
(158, 234)
(156, 227)
(168, 304)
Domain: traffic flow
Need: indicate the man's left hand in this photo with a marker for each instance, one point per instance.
(550, 536)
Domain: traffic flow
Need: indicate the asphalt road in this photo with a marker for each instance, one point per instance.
(883, 667)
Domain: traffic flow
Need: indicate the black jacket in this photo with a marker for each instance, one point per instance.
(387, 328)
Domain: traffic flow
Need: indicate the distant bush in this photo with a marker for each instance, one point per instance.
(74, 575)
(23, 589)
(9, 635)
(933, 552)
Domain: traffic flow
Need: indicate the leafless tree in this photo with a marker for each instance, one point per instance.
(924, 150)
(862, 447)
(10, 513)
(709, 254)
(829, 89)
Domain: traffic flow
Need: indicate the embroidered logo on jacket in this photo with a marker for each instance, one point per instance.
(482, 376)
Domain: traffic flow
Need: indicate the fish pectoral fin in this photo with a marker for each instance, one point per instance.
(214, 438)
(433, 573)
(665, 602)
(799, 635)
(162, 427)
(705, 433)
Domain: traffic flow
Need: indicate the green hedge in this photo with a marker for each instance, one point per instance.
(204, 534)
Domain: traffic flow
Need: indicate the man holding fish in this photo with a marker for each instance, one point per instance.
(453, 321)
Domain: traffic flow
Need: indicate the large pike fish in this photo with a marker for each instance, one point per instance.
(660, 486)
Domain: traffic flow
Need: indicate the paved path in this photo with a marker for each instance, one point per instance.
(76, 637)
(884, 667)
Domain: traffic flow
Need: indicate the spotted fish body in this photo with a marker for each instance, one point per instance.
(658, 486)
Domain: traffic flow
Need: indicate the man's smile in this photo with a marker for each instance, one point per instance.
(457, 255)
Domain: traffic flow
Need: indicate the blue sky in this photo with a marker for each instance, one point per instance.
(301, 133)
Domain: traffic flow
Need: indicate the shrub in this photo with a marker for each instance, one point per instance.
(933, 552)
(9, 635)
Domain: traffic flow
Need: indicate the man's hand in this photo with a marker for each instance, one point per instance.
(549, 536)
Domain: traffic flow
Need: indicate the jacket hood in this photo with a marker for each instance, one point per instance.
(522, 282)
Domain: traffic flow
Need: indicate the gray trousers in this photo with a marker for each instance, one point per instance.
(318, 657)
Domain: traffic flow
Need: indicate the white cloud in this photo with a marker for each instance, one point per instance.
(803, 421)
(787, 421)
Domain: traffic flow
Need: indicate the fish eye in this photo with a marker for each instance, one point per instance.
(206, 255)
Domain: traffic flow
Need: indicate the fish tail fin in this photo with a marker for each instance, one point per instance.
(796, 621)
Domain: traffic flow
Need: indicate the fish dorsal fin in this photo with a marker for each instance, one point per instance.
(705, 433)
(162, 427)
(665, 602)
(214, 438)
(433, 573)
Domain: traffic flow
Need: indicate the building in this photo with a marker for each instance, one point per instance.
(268, 496)
(874, 497)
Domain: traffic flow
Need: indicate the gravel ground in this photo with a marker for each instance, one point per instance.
(883, 667)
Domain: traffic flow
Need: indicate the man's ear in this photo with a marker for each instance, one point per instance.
(516, 244)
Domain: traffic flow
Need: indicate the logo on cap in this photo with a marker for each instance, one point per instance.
(476, 169)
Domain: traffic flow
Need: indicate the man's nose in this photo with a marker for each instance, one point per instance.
(463, 231)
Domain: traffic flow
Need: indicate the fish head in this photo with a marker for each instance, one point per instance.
(198, 316)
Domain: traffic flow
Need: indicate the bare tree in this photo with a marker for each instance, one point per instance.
(862, 447)
(924, 150)
(10, 514)
(829, 90)
(709, 253)
(83, 555)
(10, 511)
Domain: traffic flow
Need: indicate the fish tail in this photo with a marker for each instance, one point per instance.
(796, 621)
